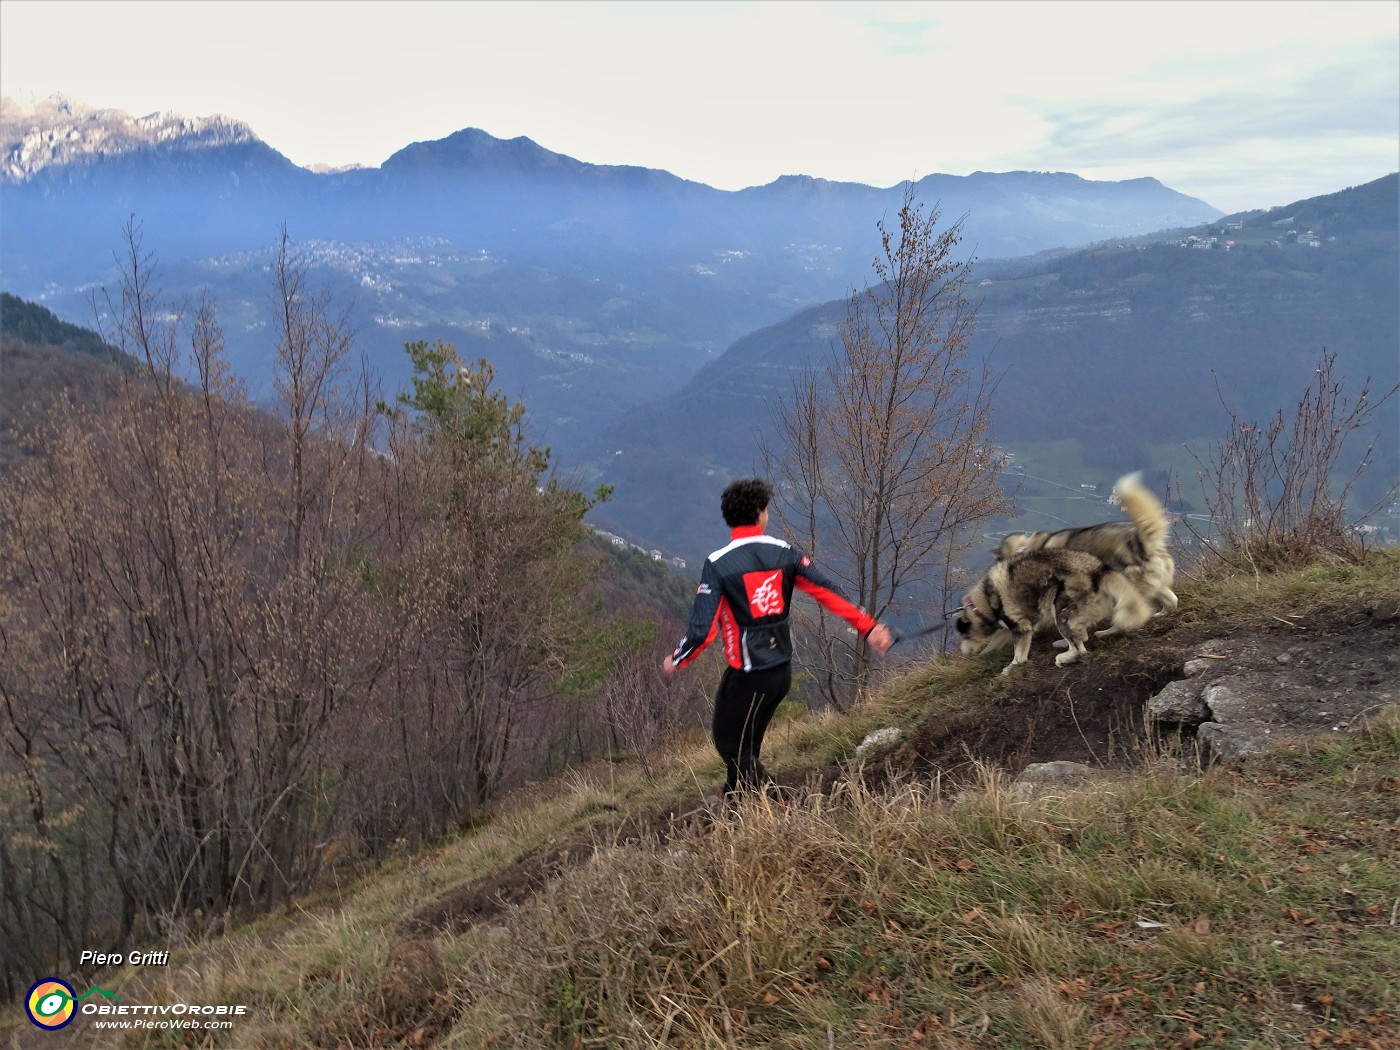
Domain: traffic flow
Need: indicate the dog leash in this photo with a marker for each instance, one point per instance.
(900, 636)
(897, 636)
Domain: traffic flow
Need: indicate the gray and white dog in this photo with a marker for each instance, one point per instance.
(1135, 551)
(1070, 590)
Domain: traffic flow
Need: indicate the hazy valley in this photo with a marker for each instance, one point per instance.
(649, 323)
(591, 288)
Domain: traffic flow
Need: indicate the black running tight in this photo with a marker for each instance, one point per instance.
(744, 706)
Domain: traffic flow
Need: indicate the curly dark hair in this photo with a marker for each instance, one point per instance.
(742, 501)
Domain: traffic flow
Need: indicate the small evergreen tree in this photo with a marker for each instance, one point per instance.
(490, 560)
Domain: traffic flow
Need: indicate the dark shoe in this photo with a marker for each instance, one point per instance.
(780, 794)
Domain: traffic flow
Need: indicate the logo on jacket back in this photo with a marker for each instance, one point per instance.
(765, 592)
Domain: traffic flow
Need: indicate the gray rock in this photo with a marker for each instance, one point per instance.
(1199, 666)
(1229, 703)
(1041, 777)
(1230, 743)
(878, 742)
(1179, 704)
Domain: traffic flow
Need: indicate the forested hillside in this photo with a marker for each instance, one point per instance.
(245, 644)
(43, 359)
(1110, 359)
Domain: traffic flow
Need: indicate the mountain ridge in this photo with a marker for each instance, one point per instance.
(590, 287)
(57, 132)
(59, 119)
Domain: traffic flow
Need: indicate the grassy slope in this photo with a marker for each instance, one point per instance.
(863, 917)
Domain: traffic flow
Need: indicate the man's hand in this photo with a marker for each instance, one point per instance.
(668, 667)
(880, 639)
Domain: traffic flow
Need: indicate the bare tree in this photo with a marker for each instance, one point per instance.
(883, 457)
(183, 625)
(235, 643)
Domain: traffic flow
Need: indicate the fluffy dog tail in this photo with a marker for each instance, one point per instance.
(1147, 512)
(1130, 609)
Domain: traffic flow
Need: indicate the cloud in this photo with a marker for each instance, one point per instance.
(1340, 117)
(1301, 110)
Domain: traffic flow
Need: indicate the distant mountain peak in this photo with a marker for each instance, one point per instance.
(58, 131)
(473, 148)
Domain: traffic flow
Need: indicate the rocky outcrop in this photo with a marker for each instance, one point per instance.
(56, 132)
(1248, 693)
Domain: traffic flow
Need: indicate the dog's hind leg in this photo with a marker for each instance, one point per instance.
(1074, 635)
(1075, 616)
(1130, 610)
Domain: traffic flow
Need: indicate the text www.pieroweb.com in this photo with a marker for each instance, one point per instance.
(180, 1017)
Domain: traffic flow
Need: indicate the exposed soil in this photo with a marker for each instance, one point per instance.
(475, 902)
(1091, 713)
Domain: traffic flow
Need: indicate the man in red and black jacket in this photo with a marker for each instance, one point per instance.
(744, 596)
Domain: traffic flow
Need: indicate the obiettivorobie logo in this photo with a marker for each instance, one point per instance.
(51, 1003)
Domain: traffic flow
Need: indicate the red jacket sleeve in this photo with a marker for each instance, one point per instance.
(814, 582)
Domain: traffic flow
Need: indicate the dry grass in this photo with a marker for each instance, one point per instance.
(1249, 908)
(1234, 599)
(1133, 916)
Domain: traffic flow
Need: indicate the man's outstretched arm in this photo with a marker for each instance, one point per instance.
(814, 582)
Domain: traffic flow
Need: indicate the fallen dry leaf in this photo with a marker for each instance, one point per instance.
(1072, 909)
(1074, 989)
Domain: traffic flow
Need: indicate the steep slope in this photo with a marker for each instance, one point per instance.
(917, 897)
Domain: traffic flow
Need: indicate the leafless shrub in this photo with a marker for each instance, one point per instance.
(1276, 493)
(641, 711)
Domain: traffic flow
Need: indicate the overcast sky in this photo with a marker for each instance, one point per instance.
(1244, 105)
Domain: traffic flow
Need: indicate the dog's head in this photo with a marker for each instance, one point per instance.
(976, 621)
